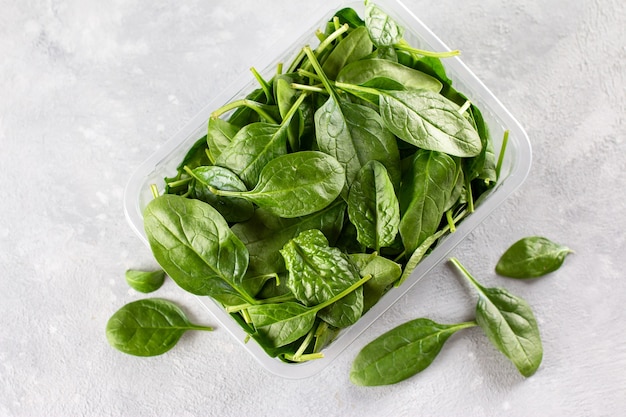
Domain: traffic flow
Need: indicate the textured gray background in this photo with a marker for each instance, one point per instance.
(89, 89)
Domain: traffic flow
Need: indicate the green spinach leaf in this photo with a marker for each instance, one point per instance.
(264, 242)
(532, 257)
(429, 183)
(220, 135)
(233, 209)
(429, 121)
(402, 352)
(364, 71)
(382, 29)
(373, 206)
(384, 273)
(145, 281)
(295, 184)
(195, 247)
(353, 47)
(509, 323)
(282, 323)
(148, 327)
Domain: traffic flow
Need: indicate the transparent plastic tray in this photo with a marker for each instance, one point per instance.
(515, 168)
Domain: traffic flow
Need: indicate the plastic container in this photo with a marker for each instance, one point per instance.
(515, 168)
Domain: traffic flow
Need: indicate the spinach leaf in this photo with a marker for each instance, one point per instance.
(145, 281)
(353, 134)
(353, 47)
(382, 29)
(317, 271)
(344, 312)
(220, 135)
(195, 247)
(282, 323)
(255, 145)
(364, 71)
(429, 121)
(286, 96)
(531, 257)
(295, 184)
(384, 273)
(350, 16)
(509, 323)
(233, 209)
(148, 327)
(429, 183)
(196, 155)
(264, 242)
(401, 352)
(373, 206)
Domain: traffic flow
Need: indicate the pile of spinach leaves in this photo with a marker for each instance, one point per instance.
(324, 187)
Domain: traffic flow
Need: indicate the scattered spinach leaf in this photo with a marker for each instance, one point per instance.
(509, 323)
(145, 281)
(148, 327)
(402, 352)
(532, 257)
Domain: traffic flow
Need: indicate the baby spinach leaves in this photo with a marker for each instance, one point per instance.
(373, 207)
(532, 257)
(307, 200)
(145, 281)
(423, 196)
(194, 245)
(148, 327)
(509, 323)
(402, 352)
(295, 184)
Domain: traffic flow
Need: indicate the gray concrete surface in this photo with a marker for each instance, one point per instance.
(90, 89)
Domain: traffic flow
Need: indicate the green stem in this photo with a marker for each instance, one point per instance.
(308, 74)
(179, 183)
(505, 141)
(466, 273)
(155, 190)
(419, 253)
(450, 220)
(464, 107)
(305, 344)
(304, 358)
(205, 328)
(293, 109)
(404, 46)
(264, 85)
(357, 88)
(320, 35)
(342, 294)
(335, 35)
(305, 87)
(320, 72)
(257, 107)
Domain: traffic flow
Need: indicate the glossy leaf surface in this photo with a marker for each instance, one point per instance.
(148, 327)
(145, 281)
(401, 352)
(429, 121)
(532, 257)
(194, 245)
(373, 207)
(509, 323)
